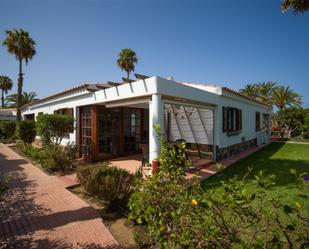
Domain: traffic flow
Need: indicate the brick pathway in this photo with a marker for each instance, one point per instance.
(38, 212)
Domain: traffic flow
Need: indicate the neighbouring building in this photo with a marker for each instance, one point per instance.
(114, 119)
(8, 114)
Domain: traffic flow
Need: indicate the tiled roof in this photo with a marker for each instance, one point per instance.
(229, 90)
(90, 87)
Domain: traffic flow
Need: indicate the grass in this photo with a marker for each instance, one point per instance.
(275, 159)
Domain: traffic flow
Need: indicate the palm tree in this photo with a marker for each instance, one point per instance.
(285, 96)
(250, 90)
(26, 98)
(127, 60)
(298, 6)
(6, 84)
(265, 91)
(19, 43)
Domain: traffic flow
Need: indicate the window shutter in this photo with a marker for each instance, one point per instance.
(224, 119)
(70, 112)
(239, 120)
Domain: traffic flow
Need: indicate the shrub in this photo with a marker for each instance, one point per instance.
(7, 129)
(111, 184)
(26, 131)
(52, 158)
(52, 128)
(239, 214)
(59, 159)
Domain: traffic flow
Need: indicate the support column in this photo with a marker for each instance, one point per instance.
(156, 116)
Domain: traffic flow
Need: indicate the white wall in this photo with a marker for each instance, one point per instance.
(168, 89)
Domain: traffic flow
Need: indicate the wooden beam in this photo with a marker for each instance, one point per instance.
(127, 80)
(141, 76)
(190, 125)
(114, 83)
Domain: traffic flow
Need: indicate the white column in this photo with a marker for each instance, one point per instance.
(156, 116)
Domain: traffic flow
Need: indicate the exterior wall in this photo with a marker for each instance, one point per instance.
(216, 99)
(248, 131)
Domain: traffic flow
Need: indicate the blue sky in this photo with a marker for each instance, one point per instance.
(227, 43)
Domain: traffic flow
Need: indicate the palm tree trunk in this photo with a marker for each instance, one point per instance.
(128, 74)
(19, 90)
(2, 99)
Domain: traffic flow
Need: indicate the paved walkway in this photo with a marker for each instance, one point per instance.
(39, 212)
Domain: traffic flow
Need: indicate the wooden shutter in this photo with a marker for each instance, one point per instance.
(224, 119)
(257, 121)
(70, 112)
(239, 120)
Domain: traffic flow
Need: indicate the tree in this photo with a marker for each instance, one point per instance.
(26, 98)
(265, 91)
(127, 60)
(291, 120)
(19, 43)
(285, 96)
(6, 84)
(250, 90)
(298, 6)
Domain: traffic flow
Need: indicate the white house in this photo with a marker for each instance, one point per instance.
(113, 119)
(8, 114)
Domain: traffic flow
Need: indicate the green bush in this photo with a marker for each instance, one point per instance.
(111, 184)
(52, 128)
(59, 159)
(34, 153)
(52, 158)
(26, 131)
(239, 214)
(7, 129)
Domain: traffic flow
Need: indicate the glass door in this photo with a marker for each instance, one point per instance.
(85, 131)
(109, 132)
(132, 130)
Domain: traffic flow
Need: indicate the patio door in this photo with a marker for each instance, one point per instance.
(132, 130)
(109, 133)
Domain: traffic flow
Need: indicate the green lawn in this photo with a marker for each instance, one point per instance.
(275, 159)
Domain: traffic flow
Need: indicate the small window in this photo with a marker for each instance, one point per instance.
(66, 111)
(257, 121)
(232, 119)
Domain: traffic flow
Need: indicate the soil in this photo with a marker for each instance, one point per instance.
(118, 224)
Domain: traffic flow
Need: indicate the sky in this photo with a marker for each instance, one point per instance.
(228, 43)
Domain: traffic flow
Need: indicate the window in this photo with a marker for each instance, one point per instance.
(232, 119)
(257, 121)
(65, 111)
(29, 117)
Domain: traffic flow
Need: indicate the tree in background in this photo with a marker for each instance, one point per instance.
(291, 120)
(285, 96)
(26, 98)
(126, 60)
(266, 90)
(6, 84)
(298, 6)
(250, 90)
(19, 43)
(272, 94)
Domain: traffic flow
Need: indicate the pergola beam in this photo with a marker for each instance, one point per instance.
(127, 80)
(141, 76)
(192, 131)
(114, 83)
